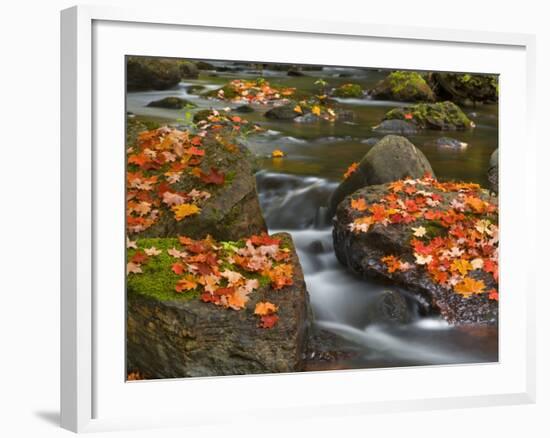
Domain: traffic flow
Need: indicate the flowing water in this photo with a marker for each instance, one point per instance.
(294, 192)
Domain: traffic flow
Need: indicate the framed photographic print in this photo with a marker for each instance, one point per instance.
(324, 209)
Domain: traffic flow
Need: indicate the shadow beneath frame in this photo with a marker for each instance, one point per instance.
(51, 417)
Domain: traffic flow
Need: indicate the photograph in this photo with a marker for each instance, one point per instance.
(285, 218)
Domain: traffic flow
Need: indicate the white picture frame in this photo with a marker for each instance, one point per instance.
(90, 398)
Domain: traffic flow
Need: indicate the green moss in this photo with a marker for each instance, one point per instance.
(157, 280)
(440, 115)
(404, 86)
(348, 90)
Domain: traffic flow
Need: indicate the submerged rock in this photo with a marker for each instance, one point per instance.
(404, 86)
(144, 73)
(371, 141)
(195, 89)
(171, 103)
(399, 127)
(450, 143)
(440, 115)
(244, 109)
(465, 89)
(389, 308)
(492, 174)
(364, 252)
(171, 335)
(391, 159)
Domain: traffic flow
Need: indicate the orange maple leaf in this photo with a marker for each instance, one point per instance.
(359, 204)
(469, 287)
(265, 308)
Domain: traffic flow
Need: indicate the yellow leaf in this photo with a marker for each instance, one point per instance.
(277, 153)
(298, 109)
(469, 287)
(316, 109)
(462, 266)
(183, 210)
(265, 308)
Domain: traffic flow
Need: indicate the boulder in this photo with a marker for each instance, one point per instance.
(243, 109)
(390, 159)
(188, 70)
(439, 116)
(233, 209)
(403, 86)
(144, 73)
(282, 112)
(171, 102)
(465, 88)
(348, 90)
(399, 127)
(364, 252)
(390, 307)
(492, 174)
(171, 335)
(203, 65)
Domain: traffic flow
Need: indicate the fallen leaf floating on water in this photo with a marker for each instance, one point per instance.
(277, 153)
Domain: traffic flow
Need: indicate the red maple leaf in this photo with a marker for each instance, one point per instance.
(268, 321)
(264, 239)
(139, 257)
(214, 177)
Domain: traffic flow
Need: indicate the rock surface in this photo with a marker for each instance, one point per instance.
(362, 253)
(403, 86)
(441, 116)
(390, 159)
(465, 89)
(171, 102)
(152, 73)
(179, 337)
(348, 90)
(232, 211)
(398, 127)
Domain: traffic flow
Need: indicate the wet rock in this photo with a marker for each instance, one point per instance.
(329, 351)
(399, 127)
(345, 115)
(493, 171)
(144, 73)
(316, 247)
(362, 254)
(465, 89)
(307, 118)
(185, 337)
(188, 70)
(282, 112)
(440, 116)
(348, 90)
(404, 86)
(450, 143)
(392, 158)
(233, 209)
(171, 103)
(390, 307)
(244, 109)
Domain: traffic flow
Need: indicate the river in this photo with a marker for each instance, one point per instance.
(294, 190)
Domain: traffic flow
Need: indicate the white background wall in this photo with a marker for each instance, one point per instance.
(29, 224)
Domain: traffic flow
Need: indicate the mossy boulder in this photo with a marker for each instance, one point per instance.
(492, 173)
(348, 90)
(203, 65)
(188, 70)
(244, 109)
(465, 88)
(171, 335)
(404, 86)
(227, 91)
(171, 102)
(363, 253)
(233, 209)
(145, 73)
(392, 158)
(438, 116)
